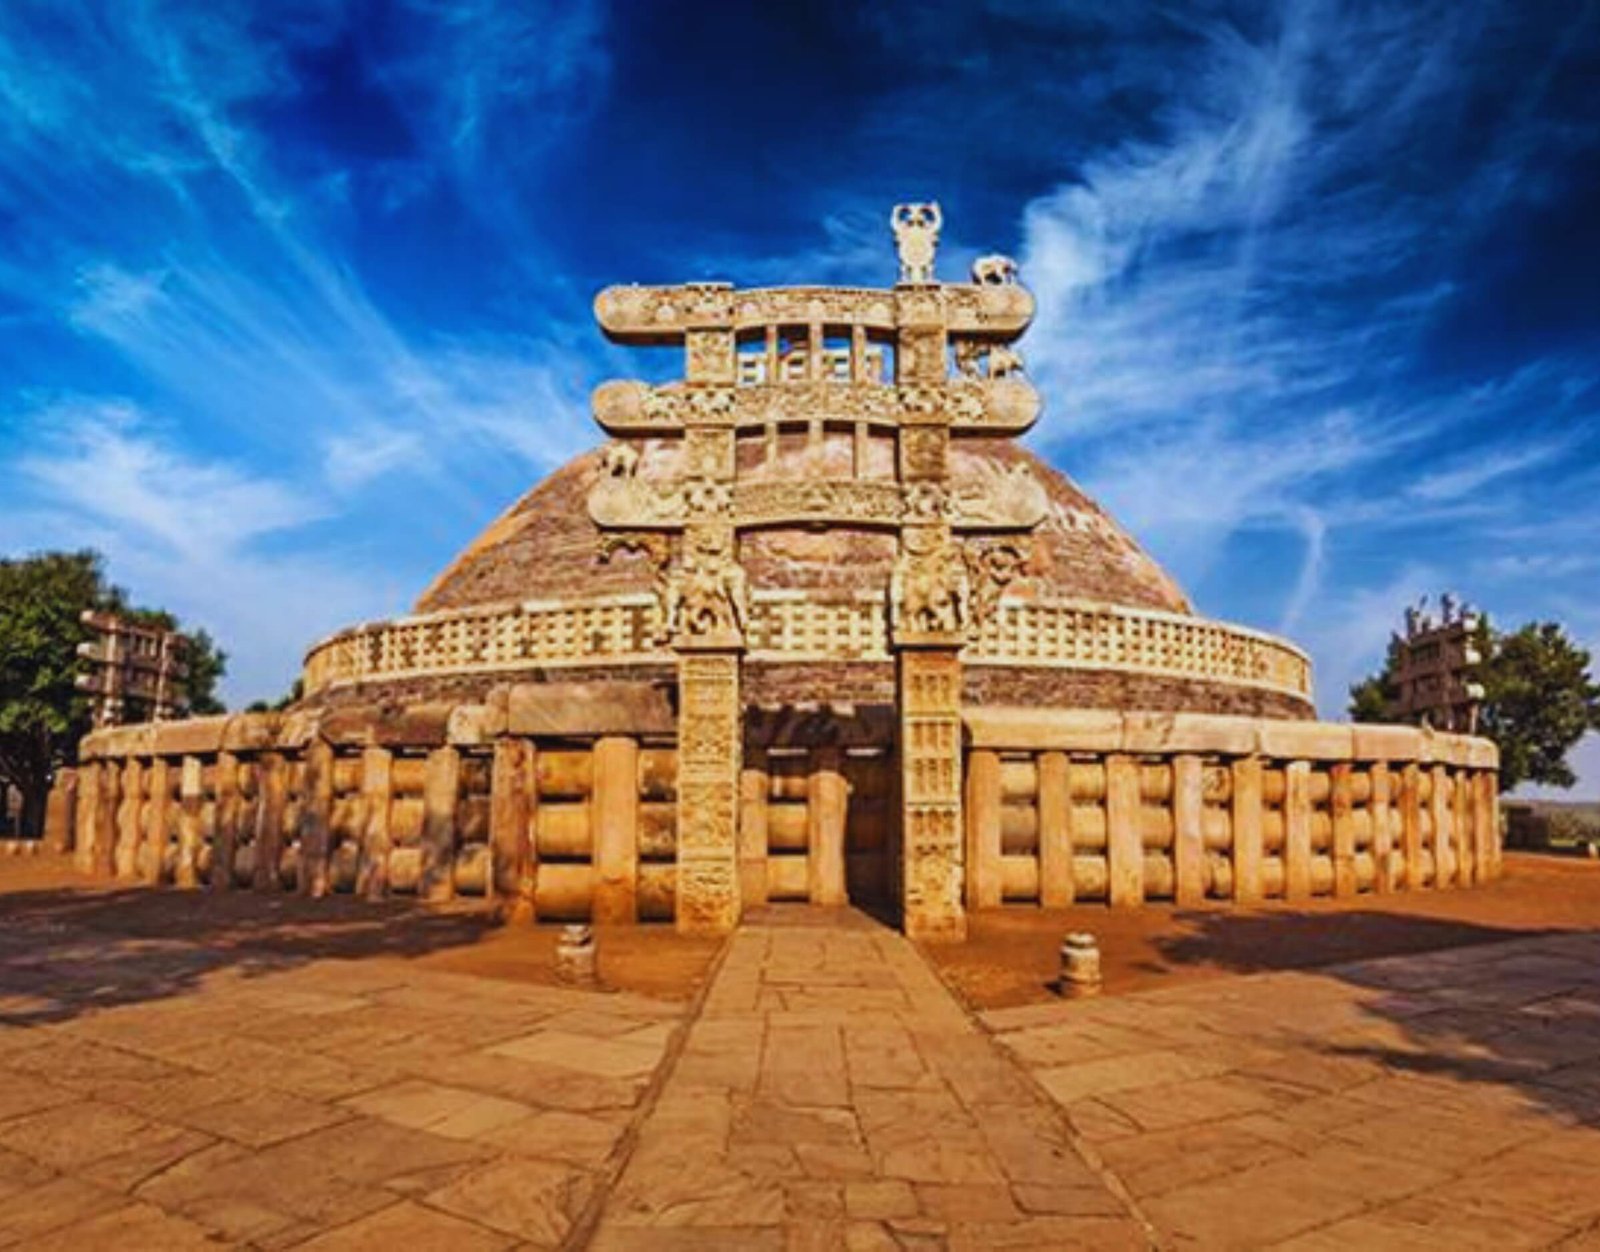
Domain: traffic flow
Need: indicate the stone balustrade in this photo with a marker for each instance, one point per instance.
(790, 626)
(560, 799)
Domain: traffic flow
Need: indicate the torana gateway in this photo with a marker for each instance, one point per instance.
(812, 626)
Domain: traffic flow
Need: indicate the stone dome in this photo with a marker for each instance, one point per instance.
(546, 547)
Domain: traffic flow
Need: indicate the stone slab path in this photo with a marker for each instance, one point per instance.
(825, 1092)
(1449, 1100)
(831, 1093)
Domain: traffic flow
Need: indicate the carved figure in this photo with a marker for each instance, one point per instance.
(1001, 497)
(709, 595)
(929, 592)
(620, 460)
(994, 271)
(992, 566)
(916, 239)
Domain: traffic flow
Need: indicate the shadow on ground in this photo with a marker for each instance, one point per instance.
(1521, 1016)
(68, 950)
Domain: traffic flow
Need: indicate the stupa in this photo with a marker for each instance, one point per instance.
(811, 625)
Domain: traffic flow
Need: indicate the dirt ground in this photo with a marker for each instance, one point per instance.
(284, 930)
(1013, 956)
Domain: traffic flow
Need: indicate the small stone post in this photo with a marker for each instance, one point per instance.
(615, 814)
(1297, 831)
(753, 786)
(1341, 811)
(1188, 829)
(230, 813)
(191, 802)
(441, 791)
(1124, 836)
(983, 803)
(1056, 887)
(1382, 834)
(510, 779)
(1247, 830)
(827, 800)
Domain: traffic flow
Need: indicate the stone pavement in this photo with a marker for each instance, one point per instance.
(826, 1092)
(1444, 1100)
(337, 1104)
(832, 1094)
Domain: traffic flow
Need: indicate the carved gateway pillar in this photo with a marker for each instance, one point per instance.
(669, 488)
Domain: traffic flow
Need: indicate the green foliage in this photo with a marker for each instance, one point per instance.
(1371, 698)
(1539, 699)
(296, 692)
(42, 714)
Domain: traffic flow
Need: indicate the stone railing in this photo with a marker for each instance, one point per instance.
(1124, 808)
(791, 626)
(559, 800)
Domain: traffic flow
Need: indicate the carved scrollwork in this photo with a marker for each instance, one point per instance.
(1000, 498)
(992, 566)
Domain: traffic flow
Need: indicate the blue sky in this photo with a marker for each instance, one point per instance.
(294, 297)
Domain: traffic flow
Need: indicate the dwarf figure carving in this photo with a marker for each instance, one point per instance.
(710, 594)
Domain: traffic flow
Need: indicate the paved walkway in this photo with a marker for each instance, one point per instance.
(832, 1094)
(1445, 1100)
(826, 1092)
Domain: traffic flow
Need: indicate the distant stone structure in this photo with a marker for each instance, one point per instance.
(132, 673)
(811, 626)
(1432, 666)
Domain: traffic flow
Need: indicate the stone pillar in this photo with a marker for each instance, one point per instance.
(1485, 832)
(60, 812)
(1444, 853)
(1382, 836)
(1489, 800)
(1056, 886)
(615, 813)
(1247, 830)
(983, 887)
(930, 789)
(272, 785)
(230, 812)
(377, 794)
(130, 817)
(105, 817)
(754, 785)
(1297, 831)
(84, 848)
(510, 832)
(316, 815)
(153, 849)
(1341, 810)
(441, 790)
(191, 803)
(1461, 827)
(709, 747)
(1411, 823)
(827, 805)
(1124, 836)
(1188, 829)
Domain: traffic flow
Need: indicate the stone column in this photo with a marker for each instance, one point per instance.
(230, 812)
(827, 802)
(441, 791)
(1411, 824)
(1382, 836)
(1124, 836)
(615, 814)
(129, 820)
(1056, 887)
(316, 814)
(84, 848)
(272, 784)
(930, 789)
(105, 817)
(153, 848)
(709, 748)
(1444, 853)
(1188, 829)
(1341, 811)
(377, 795)
(1247, 830)
(191, 801)
(61, 811)
(1461, 826)
(753, 788)
(1297, 831)
(510, 836)
(983, 853)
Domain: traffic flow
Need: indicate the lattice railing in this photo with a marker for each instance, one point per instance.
(1066, 634)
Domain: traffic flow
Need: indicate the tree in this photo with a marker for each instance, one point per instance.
(1539, 700)
(42, 714)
